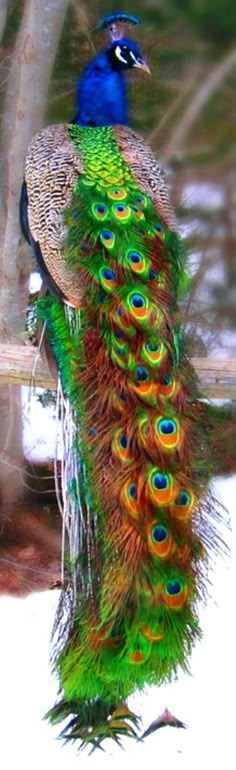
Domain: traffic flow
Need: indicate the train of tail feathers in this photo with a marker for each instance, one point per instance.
(138, 514)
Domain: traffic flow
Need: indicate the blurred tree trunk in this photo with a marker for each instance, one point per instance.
(31, 66)
(3, 15)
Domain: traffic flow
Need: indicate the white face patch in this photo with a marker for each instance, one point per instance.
(119, 54)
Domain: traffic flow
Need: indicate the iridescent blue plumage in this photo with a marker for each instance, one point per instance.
(101, 92)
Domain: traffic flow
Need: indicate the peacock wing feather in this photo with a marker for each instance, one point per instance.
(146, 171)
(51, 172)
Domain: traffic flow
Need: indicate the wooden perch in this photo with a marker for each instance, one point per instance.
(22, 364)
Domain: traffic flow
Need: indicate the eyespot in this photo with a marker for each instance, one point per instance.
(153, 347)
(154, 353)
(159, 533)
(183, 504)
(159, 230)
(107, 279)
(160, 541)
(142, 373)
(100, 211)
(107, 238)
(138, 263)
(137, 301)
(167, 387)
(129, 498)
(167, 426)
(183, 498)
(175, 593)
(167, 432)
(134, 257)
(173, 587)
(141, 200)
(160, 487)
(117, 193)
(160, 481)
(121, 212)
(120, 446)
(138, 306)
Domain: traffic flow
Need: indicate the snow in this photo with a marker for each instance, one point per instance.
(203, 701)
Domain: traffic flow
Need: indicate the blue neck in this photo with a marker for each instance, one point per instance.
(101, 95)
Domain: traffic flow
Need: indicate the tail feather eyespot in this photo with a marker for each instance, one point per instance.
(167, 387)
(183, 504)
(175, 593)
(120, 447)
(129, 498)
(160, 487)
(107, 279)
(100, 211)
(160, 541)
(167, 432)
(154, 353)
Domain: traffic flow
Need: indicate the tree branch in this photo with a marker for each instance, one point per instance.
(22, 364)
(207, 89)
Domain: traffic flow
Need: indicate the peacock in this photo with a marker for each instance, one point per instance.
(138, 513)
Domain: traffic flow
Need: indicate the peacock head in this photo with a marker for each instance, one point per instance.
(125, 54)
(101, 93)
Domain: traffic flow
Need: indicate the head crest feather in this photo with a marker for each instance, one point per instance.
(114, 23)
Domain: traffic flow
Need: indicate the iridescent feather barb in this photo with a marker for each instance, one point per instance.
(136, 504)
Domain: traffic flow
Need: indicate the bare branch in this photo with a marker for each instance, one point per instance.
(217, 377)
(186, 87)
(207, 89)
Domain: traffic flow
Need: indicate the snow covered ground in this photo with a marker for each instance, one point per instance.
(204, 701)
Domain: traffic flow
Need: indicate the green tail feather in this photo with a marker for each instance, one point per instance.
(142, 450)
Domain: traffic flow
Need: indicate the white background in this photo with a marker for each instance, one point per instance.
(205, 701)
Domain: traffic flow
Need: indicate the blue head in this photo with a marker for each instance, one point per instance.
(101, 93)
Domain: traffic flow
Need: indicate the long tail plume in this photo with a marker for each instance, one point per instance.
(139, 514)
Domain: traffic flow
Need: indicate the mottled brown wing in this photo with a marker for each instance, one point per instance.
(51, 172)
(146, 171)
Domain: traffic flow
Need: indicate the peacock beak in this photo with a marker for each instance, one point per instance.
(142, 65)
